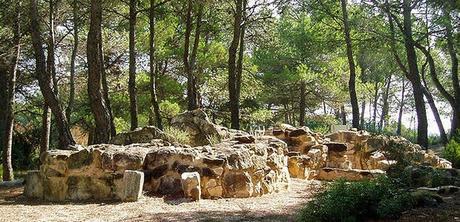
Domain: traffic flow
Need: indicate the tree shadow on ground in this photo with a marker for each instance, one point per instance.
(211, 216)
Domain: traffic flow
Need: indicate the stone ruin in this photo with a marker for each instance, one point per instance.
(239, 165)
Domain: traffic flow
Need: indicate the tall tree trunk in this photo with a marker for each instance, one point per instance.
(72, 60)
(437, 82)
(98, 103)
(239, 65)
(363, 109)
(401, 108)
(434, 109)
(343, 115)
(302, 105)
(46, 130)
(153, 92)
(132, 64)
(186, 58)
(44, 81)
(455, 127)
(105, 92)
(192, 60)
(385, 107)
(51, 48)
(351, 63)
(8, 117)
(376, 99)
(232, 69)
(414, 76)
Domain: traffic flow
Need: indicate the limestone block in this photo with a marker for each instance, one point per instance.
(34, 186)
(55, 188)
(244, 139)
(297, 166)
(133, 182)
(238, 184)
(191, 185)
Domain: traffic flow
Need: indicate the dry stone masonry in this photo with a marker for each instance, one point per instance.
(239, 165)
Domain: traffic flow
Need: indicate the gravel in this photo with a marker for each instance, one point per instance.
(281, 206)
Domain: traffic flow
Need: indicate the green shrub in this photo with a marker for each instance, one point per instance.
(452, 153)
(357, 201)
(177, 135)
(321, 123)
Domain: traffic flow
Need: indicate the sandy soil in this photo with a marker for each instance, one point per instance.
(281, 206)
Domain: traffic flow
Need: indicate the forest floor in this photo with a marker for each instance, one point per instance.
(282, 206)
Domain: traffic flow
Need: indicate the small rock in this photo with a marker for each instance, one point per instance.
(191, 185)
(133, 182)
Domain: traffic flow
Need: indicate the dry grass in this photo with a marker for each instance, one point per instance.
(281, 206)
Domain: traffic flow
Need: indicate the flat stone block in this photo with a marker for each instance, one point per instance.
(34, 186)
(191, 185)
(133, 182)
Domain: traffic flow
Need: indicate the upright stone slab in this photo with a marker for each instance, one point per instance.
(133, 182)
(34, 186)
(191, 185)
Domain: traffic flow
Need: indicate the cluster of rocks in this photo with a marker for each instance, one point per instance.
(229, 169)
(353, 155)
(238, 165)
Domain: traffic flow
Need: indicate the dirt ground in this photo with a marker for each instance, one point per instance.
(281, 206)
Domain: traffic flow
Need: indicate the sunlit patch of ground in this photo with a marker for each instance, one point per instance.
(281, 206)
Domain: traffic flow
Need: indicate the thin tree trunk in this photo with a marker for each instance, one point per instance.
(153, 92)
(363, 109)
(351, 63)
(401, 108)
(8, 117)
(132, 65)
(343, 115)
(46, 130)
(414, 76)
(239, 66)
(454, 73)
(196, 43)
(51, 48)
(385, 107)
(302, 103)
(186, 58)
(232, 69)
(434, 109)
(72, 60)
(98, 104)
(44, 80)
(376, 99)
(105, 92)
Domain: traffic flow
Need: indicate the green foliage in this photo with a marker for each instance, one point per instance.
(169, 109)
(261, 116)
(177, 135)
(357, 201)
(452, 153)
(320, 123)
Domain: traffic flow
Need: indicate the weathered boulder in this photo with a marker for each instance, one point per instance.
(141, 135)
(201, 130)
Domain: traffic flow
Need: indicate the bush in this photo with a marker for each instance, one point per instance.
(357, 201)
(177, 135)
(452, 153)
(321, 123)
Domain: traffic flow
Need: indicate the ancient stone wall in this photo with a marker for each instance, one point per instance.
(230, 169)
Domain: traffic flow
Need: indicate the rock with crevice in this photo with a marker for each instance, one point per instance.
(199, 127)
